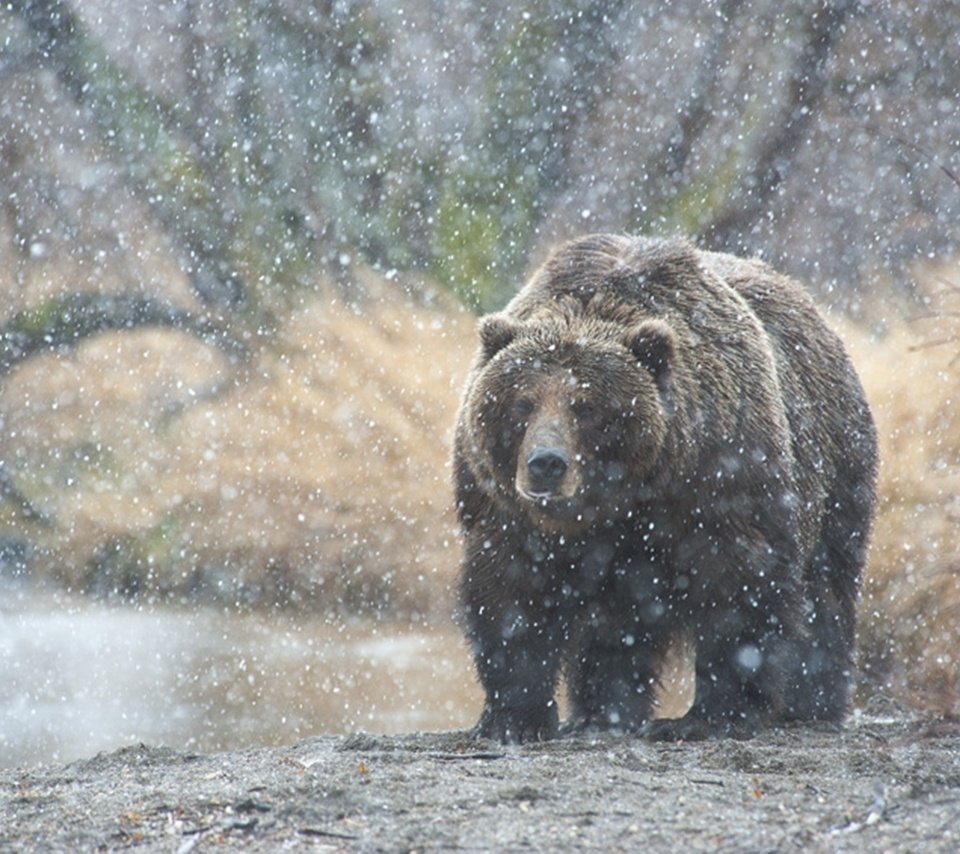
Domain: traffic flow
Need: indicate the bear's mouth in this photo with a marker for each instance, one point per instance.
(548, 500)
(542, 498)
(555, 510)
(554, 507)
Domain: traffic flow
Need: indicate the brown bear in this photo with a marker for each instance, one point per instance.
(654, 442)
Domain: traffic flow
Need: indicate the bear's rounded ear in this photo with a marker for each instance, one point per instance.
(496, 332)
(652, 343)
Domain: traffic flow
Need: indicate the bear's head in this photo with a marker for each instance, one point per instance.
(568, 415)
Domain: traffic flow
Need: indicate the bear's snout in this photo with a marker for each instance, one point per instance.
(545, 470)
(547, 465)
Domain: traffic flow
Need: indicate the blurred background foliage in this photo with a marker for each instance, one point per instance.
(237, 240)
(264, 139)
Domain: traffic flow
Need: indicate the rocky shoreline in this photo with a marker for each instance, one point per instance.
(890, 784)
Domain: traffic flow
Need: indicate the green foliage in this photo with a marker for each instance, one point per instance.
(303, 134)
(693, 204)
(483, 228)
(489, 203)
(278, 158)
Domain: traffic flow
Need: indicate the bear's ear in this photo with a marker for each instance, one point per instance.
(496, 332)
(652, 343)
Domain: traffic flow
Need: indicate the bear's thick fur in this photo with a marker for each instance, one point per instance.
(655, 442)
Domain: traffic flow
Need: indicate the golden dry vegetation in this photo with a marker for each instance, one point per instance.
(910, 610)
(318, 474)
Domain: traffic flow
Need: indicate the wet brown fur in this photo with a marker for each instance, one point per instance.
(719, 483)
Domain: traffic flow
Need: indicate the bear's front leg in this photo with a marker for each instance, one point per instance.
(520, 706)
(518, 662)
(516, 640)
(613, 675)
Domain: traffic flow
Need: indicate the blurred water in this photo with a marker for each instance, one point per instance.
(78, 677)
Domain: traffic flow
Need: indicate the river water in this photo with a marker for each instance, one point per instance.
(77, 678)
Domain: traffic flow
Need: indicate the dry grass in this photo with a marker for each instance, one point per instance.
(910, 612)
(321, 475)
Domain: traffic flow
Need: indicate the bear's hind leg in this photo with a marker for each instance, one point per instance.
(738, 681)
(821, 686)
(832, 575)
(745, 619)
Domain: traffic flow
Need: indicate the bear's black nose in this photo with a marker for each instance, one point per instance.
(546, 466)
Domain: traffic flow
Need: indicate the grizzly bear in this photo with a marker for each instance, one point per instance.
(657, 442)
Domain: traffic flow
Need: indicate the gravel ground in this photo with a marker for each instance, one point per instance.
(877, 784)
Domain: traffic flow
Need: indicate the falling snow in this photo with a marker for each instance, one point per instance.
(242, 249)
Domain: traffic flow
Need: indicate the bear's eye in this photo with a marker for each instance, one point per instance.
(521, 408)
(583, 410)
